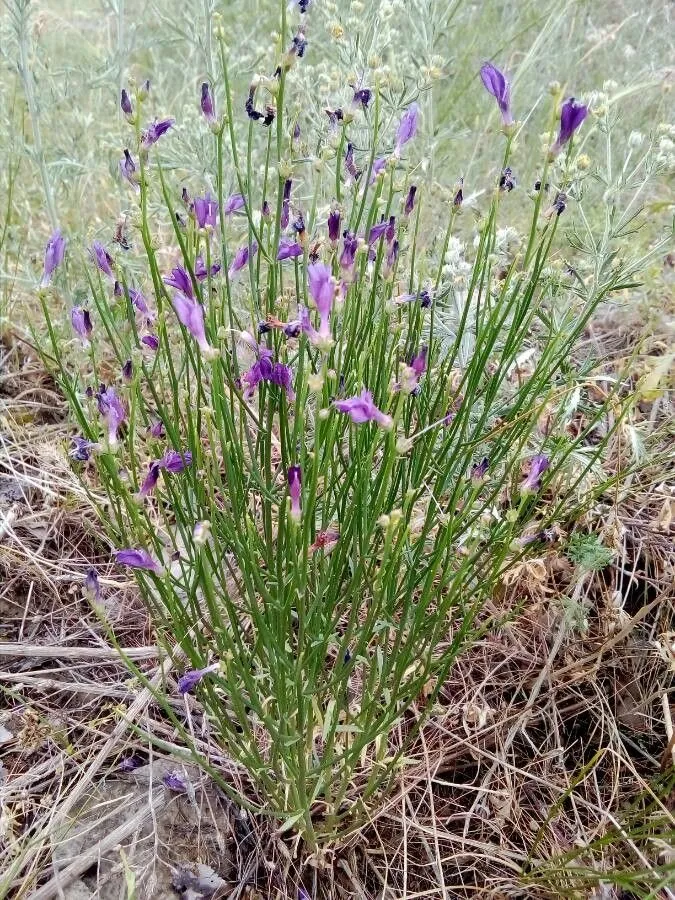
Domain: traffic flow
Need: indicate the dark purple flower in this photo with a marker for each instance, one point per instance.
(303, 5)
(92, 587)
(538, 465)
(507, 180)
(266, 212)
(175, 462)
(103, 259)
(112, 410)
(200, 269)
(54, 253)
(206, 211)
(288, 250)
(391, 258)
(137, 559)
(208, 107)
(348, 255)
(180, 280)
(296, 131)
(233, 204)
(362, 409)
(497, 85)
(390, 232)
(151, 479)
(191, 315)
(154, 132)
(130, 763)
(175, 782)
(377, 231)
(293, 329)
(241, 257)
(407, 128)
(459, 196)
(128, 169)
(81, 321)
(282, 376)
(151, 341)
(362, 96)
(410, 199)
(299, 44)
(479, 470)
(294, 476)
(334, 225)
(141, 304)
(157, 429)
(125, 104)
(190, 679)
(419, 362)
(378, 166)
(286, 203)
(350, 165)
(128, 370)
(82, 448)
(572, 116)
(264, 369)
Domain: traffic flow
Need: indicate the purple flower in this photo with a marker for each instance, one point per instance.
(190, 679)
(322, 288)
(200, 269)
(362, 409)
(125, 104)
(207, 105)
(285, 205)
(294, 476)
(350, 166)
(407, 128)
(154, 132)
(175, 462)
(205, 210)
(497, 85)
(128, 370)
(348, 256)
(128, 169)
(151, 479)
(233, 204)
(334, 225)
(572, 116)
(263, 369)
(282, 376)
(81, 451)
(538, 465)
(137, 559)
(151, 341)
(419, 362)
(362, 96)
(141, 304)
(410, 199)
(180, 280)
(112, 410)
(378, 166)
(391, 258)
(81, 321)
(191, 315)
(130, 763)
(157, 429)
(265, 211)
(292, 329)
(241, 258)
(288, 250)
(459, 196)
(175, 782)
(91, 585)
(377, 231)
(54, 253)
(102, 258)
(479, 470)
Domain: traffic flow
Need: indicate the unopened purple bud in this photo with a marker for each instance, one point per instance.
(296, 132)
(91, 585)
(200, 269)
(285, 205)
(410, 199)
(241, 257)
(266, 212)
(128, 370)
(495, 83)
(207, 104)
(479, 471)
(294, 476)
(350, 166)
(128, 170)
(348, 255)
(103, 259)
(137, 559)
(390, 232)
(125, 104)
(54, 253)
(81, 322)
(288, 250)
(190, 679)
(151, 479)
(459, 196)
(151, 341)
(334, 225)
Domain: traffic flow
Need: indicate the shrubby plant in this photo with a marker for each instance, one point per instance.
(325, 424)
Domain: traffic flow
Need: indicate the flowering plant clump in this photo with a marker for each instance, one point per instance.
(312, 418)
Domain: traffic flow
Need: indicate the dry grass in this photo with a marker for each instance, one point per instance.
(554, 722)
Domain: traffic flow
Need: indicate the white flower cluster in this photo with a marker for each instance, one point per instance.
(456, 269)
